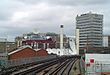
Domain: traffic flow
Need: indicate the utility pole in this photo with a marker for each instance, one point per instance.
(6, 46)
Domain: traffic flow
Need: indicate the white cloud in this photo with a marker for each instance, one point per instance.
(20, 16)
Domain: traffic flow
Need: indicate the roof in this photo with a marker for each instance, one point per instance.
(19, 49)
(39, 49)
(23, 47)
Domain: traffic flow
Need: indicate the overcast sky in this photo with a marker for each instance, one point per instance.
(22, 16)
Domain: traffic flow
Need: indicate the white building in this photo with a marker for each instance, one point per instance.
(106, 39)
(65, 51)
(90, 27)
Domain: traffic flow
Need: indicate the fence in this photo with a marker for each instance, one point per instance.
(17, 62)
(98, 68)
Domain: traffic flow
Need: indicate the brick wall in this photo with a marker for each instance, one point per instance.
(25, 53)
(42, 52)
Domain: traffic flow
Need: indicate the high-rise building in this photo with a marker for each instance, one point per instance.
(90, 27)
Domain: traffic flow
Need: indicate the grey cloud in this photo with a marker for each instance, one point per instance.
(7, 8)
(77, 2)
(5, 14)
(47, 19)
(9, 31)
(67, 2)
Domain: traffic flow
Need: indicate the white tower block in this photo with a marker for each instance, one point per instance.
(77, 41)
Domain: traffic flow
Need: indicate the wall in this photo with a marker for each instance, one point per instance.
(41, 52)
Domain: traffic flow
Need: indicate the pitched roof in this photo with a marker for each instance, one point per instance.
(19, 49)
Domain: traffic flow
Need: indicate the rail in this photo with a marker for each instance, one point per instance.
(61, 63)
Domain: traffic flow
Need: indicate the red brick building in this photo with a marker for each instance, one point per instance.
(40, 44)
(35, 40)
(41, 41)
(41, 52)
(26, 52)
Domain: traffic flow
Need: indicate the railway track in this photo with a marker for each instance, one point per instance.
(58, 66)
(10, 70)
(63, 69)
(35, 69)
(57, 70)
(68, 68)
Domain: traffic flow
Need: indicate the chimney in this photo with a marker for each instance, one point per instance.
(61, 37)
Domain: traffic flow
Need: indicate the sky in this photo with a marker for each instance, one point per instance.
(23, 16)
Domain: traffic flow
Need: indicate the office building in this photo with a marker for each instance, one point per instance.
(90, 27)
